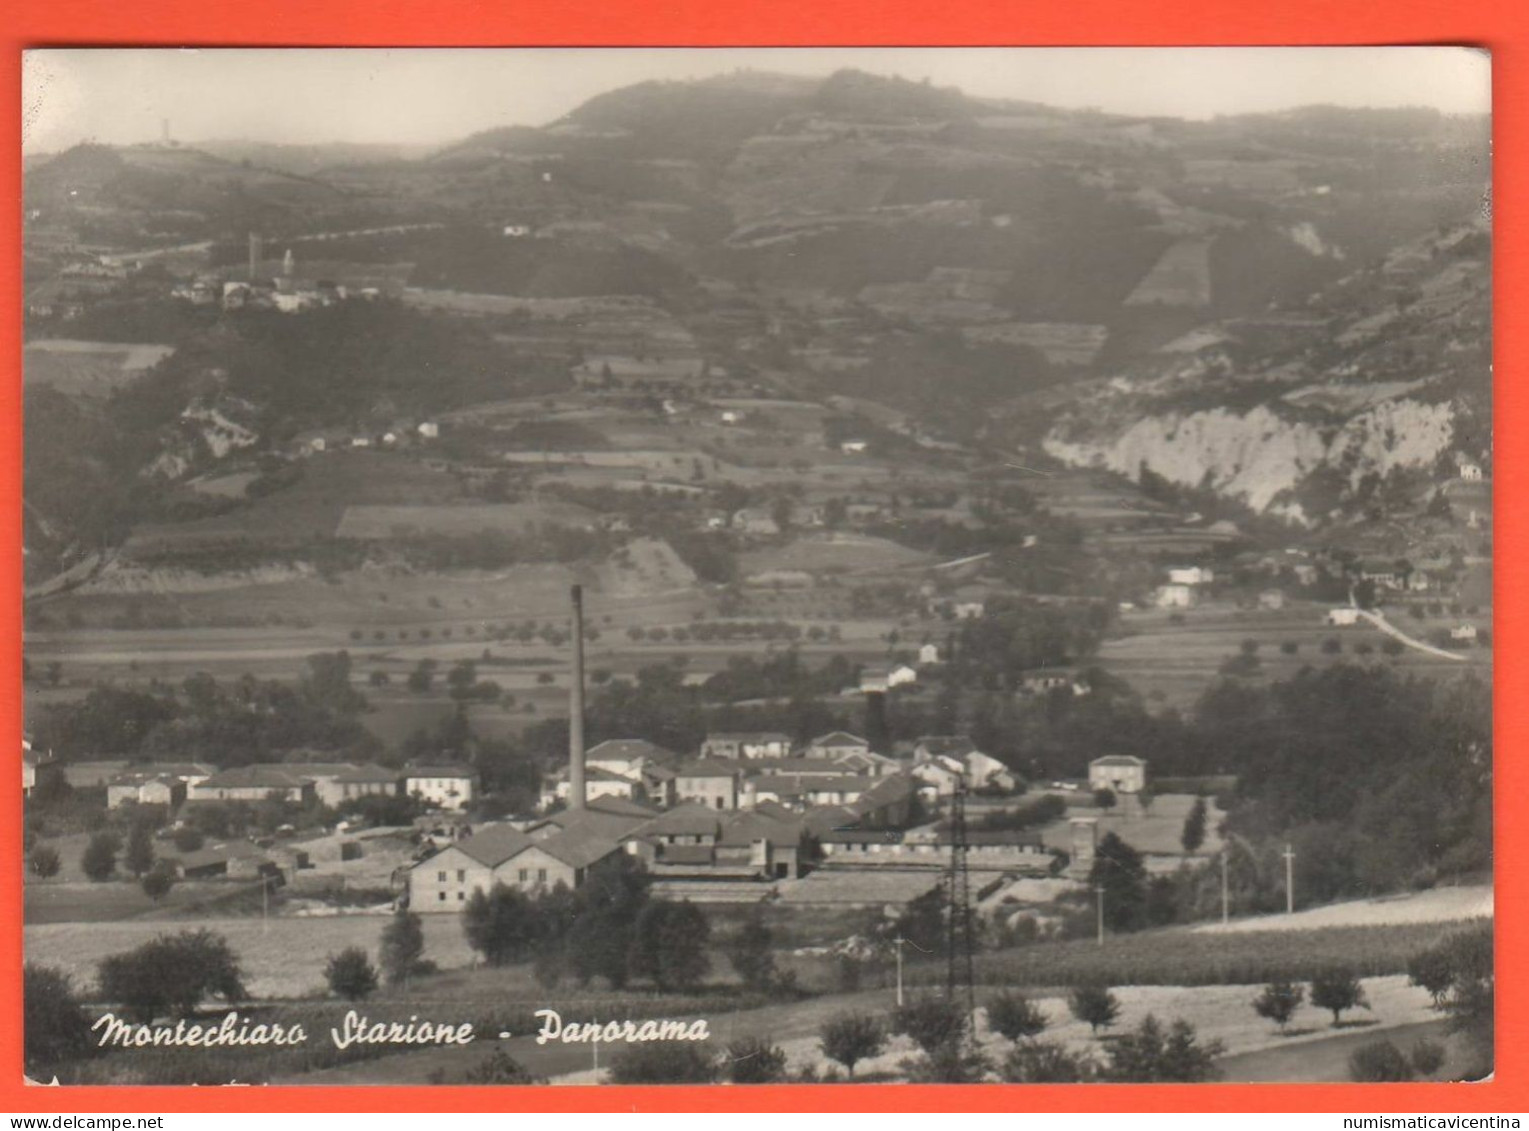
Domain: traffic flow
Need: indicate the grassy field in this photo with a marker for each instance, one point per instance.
(1171, 664)
(282, 957)
(833, 553)
(1439, 905)
(1182, 957)
(382, 522)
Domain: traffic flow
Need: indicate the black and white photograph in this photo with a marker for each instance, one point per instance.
(757, 565)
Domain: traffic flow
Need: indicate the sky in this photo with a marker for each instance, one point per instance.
(435, 96)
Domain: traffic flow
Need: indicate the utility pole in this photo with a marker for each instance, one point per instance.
(959, 942)
(1289, 855)
(898, 942)
(1225, 898)
(1099, 891)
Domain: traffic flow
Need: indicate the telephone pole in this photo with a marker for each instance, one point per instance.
(959, 942)
(1289, 855)
(1099, 891)
(899, 944)
(1225, 898)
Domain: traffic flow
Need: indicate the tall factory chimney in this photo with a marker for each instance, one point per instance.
(254, 255)
(576, 707)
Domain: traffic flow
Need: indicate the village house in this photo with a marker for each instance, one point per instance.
(800, 791)
(628, 756)
(144, 789)
(1463, 632)
(869, 763)
(1175, 596)
(1191, 575)
(852, 447)
(502, 854)
(358, 781)
(928, 654)
(1343, 615)
(755, 520)
(33, 763)
(939, 776)
(1271, 599)
(255, 783)
(1120, 773)
(444, 786)
(691, 842)
(1385, 575)
(709, 782)
(746, 745)
(597, 783)
(1043, 681)
(324, 775)
(837, 744)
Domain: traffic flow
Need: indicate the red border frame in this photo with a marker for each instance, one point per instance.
(815, 23)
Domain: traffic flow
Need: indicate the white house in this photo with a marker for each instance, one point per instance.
(430, 430)
(1175, 596)
(444, 786)
(852, 447)
(1343, 615)
(1121, 773)
(929, 654)
(1463, 632)
(1191, 575)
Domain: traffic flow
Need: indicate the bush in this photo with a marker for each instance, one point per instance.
(1427, 1056)
(351, 974)
(54, 1027)
(755, 1060)
(499, 924)
(100, 858)
(44, 861)
(849, 1038)
(1015, 1017)
(1337, 990)
(957, 1061)
(931, 1022)
(1289, 647)
(171, 974)
(1041, 1062)
(1279, 1001)
(1152, 1055)
(1332, 646)
(667, 1062)
(1379, 1063)
(158, 881)
(1434, 970)
(1095, 1005)
(499, 1067)
(139, 856)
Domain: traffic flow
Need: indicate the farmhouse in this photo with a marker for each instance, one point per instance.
(928, 654)
(747, 745)
(1121, 773)
(254, 783)
(1191, 575)
(1343, 615)
(447, 787)
(1463, 632)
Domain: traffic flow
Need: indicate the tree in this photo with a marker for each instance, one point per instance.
(54, 1025)
(171, 974)
(669, 945)
(499, 1067)
(849, 1038)
(188, 839)
(755, 1060)
(350, 974)
(1105, 798)
(1337, 990)
(1151, 1054)
(158, 880)
(1095, 1005)
(100, 858)
(1379, 1062)
(1119, 870)
(930, 1021)
(403, 945)
(665, 1062)
(138, 857)
(1193, 835)
(750, 953)
(1434, 970)
(500, 924)
(1015, 1017)
(1279, 1001)
(44, 861)
(957, 1061)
